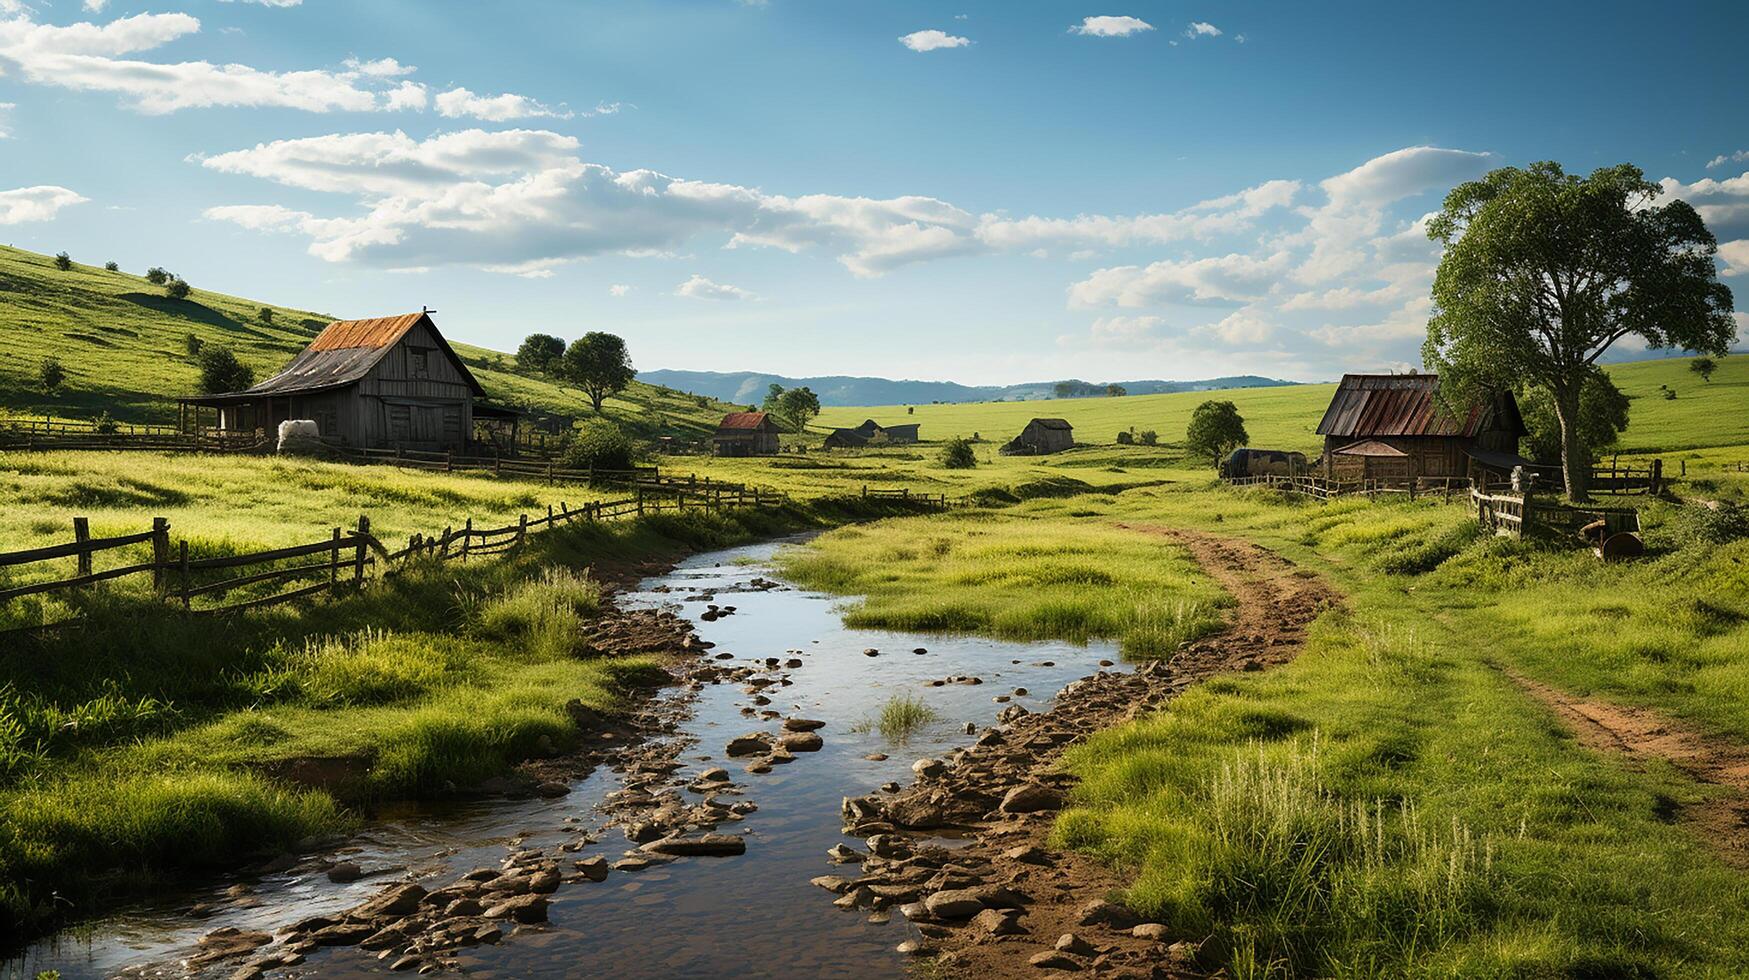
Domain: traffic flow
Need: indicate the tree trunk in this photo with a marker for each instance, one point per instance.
(1575, 455)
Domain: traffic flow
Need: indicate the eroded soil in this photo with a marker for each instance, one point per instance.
(1005, 903)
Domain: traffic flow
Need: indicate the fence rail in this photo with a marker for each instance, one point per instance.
(1312, 485)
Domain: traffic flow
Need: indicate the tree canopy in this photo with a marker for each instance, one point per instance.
(220, 371)
(797, 406)
(597, 364)
(1544, 271)
(539, 351)
(1704, 366)
(1215, 429)
(1603, 417)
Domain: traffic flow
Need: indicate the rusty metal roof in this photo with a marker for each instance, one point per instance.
(1371, 447)
(742, 420)
(1372, 405)
(342, 354)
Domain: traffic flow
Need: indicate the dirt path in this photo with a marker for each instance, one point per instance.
(1007, 904)
(1643, 735)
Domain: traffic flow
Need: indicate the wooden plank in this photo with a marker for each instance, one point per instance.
(296, 571)
(73, 548)
(102, 576)
(256, 558)
(268, 601)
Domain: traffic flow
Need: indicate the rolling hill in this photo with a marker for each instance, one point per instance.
(749, 387)
(123, 344)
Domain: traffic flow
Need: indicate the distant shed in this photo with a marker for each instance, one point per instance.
(746, 434)
(1041, 436)
(845, 439)
(902, 435)
(379, 383)
(1393, 426)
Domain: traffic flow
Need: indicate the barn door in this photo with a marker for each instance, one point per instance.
(400, 423)
(427, 423)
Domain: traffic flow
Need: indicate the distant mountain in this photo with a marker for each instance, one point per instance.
(748, 387)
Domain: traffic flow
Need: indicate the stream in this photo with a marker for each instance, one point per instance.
(753, 915)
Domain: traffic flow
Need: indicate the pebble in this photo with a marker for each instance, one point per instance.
(871, 652)
(345, 872)
(1150, 930)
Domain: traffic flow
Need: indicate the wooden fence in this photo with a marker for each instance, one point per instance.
(1612, 532)
(1313, 485)
(206, 585)
(937, 501)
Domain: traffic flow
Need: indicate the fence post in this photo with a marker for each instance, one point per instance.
(1657, 474)
(443, 547)
(522, 528)
(359, 556)
(81, 535)
(565, 510)
(449, 460)
(160, 553)
(549, 515)
(182, 546)
(467, 537)
(640, 503)
(334, 563)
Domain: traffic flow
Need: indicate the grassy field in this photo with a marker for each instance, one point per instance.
(123, 345)
(1390, 804)
(1703, 414)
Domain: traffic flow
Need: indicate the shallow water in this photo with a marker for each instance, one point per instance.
(754, 915)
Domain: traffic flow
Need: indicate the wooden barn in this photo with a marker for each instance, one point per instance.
(1041, 436)
(872, 433)
(1392, 427)
(385, 382)
(902, 435)
(745, 434)
(845, 439)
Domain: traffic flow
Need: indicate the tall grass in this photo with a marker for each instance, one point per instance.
(899, 719)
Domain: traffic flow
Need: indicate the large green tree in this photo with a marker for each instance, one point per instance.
(1544, 271)
(539, 352)
(1216, 428)
(598, 365)
(798, 406)
(1603, 416)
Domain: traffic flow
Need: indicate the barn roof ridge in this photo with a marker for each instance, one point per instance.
(342, 354)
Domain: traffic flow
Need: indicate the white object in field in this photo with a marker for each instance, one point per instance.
(300, 436)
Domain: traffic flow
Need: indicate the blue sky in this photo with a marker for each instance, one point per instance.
(982, 191)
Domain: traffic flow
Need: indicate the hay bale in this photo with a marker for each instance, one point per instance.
(300, 437)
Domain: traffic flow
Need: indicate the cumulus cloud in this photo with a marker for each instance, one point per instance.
(1107, 26)
(1722, 204)
(1740, 156)
(1234, 277)
(619, 289)
(698, 287)
(1200, 28)
(40, 203)
(1222, 215)
(932, 40)
(88, 57)
(1736, 257)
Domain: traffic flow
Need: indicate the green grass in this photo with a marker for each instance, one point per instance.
(122, 343)
(1390, 804)
(1042, 575)
(899, 719)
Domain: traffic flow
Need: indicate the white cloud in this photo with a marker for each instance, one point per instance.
(1107, 26)
(459, 102)
(698, 287)
(39, 203)
(1234, 277)
(1736, 256)
(932, 40)
(1200, 28)
(96, 6)
(1222, 215)
(1242, 328)
(1738, 157)
(619, 289)
(1722, 204)
(88, 57)
(1126, 331)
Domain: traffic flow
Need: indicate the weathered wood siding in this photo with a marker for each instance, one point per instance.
(414, 398)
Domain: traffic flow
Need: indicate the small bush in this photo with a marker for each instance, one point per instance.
(600, 447)
(177, 289)
(111, 267)
(192, 345)
(1704, 525)
(104, 424)
(63, 261)
(157, 275)
(265, 315)
(50, 375)
(1126, 439)
(956, 454)
(220, 370)
(1148, 437)
(544, 614)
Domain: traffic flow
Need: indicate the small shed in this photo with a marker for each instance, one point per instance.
(384, 382)
(746, 434)
(902, 435)
(868, 428)
(1041, 436)
(1394, 427)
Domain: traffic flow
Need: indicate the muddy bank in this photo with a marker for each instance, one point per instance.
(1003, 902)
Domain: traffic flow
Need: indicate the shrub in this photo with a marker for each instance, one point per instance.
(157, 275)
(544, 615)
(192, 345)
(1695, 525)
(957, 454)
(600, 447)
(177, 289)
(1148, 437)
(63, 261)
(111, 267)
(265, 315)
(50, 375)
(221, 371)
(103, 423)
(1126, 439)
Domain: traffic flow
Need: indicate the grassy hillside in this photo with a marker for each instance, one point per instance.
(1703, 414)
(123, 345)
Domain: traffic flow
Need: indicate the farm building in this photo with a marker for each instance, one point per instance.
(384, 382)
(746, 434)
(1393, 427)
(901, 435)
(1041, 436)
(845, 439)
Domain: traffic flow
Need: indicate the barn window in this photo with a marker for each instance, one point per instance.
(419, 362)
